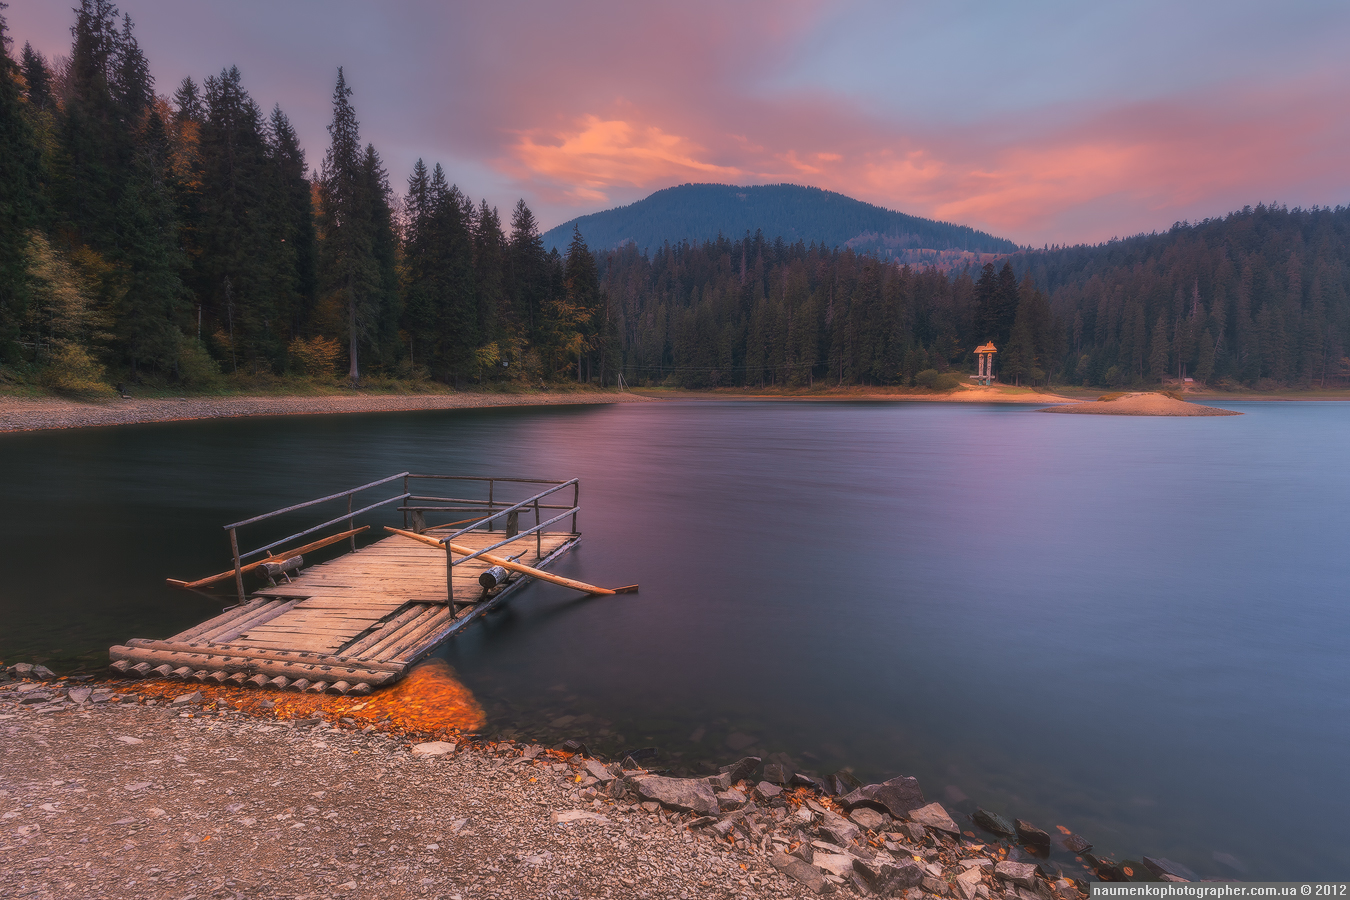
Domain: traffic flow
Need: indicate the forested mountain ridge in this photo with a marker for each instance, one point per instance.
(1258, 297)
(701, 212)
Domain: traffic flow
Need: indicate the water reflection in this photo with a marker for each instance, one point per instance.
(1128, 627)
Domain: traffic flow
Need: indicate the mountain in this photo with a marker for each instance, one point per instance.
(700, 212)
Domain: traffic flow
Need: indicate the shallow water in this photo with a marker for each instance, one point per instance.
(1131, 627)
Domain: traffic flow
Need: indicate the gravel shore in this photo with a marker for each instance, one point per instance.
(23, 414)
(107, 791)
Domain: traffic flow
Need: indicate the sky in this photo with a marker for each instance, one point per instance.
(1043, 122)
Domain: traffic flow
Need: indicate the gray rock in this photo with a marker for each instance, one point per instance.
(913, 830)
(21, 670)
(79, 694)
(888, 878)
(897, 796)
(101, 696)
(804, 851)
(1020, 874)
(837, 864)
(1161, 866)
(724, 827)
(720, 782)
(836, 828)
(36, 697)
(743, 768)
(1076, 843)
(185, 699)
(768, 792)
(1035, 839)
(842, 782)
(43, 673)
(868, 818)
(731, 799)
(685, 794)
(598, 770)
(994, 823)
(802, 872)
(801, 780)
(776, 773)
(934, 816)
(430, 749)
(968, 881)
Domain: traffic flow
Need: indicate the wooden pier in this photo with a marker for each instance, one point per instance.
(362, 619)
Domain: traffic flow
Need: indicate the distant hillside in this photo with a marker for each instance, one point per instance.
(699, 212)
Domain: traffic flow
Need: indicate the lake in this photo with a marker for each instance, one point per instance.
(1131, 627)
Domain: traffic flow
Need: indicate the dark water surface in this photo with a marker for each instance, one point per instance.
(1132, 627)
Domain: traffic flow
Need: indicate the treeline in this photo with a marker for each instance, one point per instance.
(755, 312)
(1258, 298)
(1255, 299)
(172, 238)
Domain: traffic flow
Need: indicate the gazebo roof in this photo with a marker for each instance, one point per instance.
(987, 348)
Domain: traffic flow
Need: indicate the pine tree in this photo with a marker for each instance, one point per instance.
(291, 209)
(349, 273)
(19, 199)
(577, 313)
(527, 272)
(38, 79)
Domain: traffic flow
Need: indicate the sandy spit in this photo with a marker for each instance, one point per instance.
(37, 414)
(1142, 404)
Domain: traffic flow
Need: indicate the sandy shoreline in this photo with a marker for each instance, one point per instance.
(1142, 403)
(38, 414)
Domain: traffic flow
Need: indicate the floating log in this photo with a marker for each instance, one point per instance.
(235, 655)
(269, 667)
(273, 558)
(513, 566)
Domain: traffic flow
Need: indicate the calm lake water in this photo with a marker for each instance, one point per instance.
(1132, 627)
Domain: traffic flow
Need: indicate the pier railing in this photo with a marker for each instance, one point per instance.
(488, 514)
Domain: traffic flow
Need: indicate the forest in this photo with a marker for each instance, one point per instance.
(182, 240)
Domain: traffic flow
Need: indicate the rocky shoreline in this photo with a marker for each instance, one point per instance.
(109, 790)
(40, 414)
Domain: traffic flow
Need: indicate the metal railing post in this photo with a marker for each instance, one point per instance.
(405, 512)
(538, 536)
(491, 506)
(449, 576)
(238, 568)
(576, 502)
(350, 520)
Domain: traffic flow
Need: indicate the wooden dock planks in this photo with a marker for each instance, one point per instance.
(357, 621)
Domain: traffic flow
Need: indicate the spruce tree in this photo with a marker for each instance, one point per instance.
(38, 79)
(19, 162)
(349, 275)
(291, 211)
